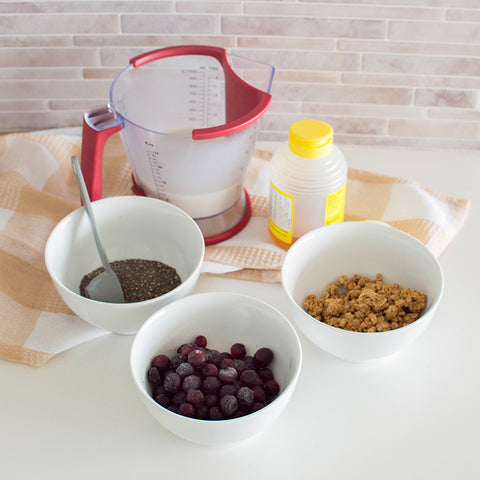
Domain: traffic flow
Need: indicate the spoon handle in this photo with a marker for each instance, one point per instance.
(88, 208)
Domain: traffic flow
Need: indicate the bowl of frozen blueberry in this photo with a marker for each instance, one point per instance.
(154, 247)
(216, 368)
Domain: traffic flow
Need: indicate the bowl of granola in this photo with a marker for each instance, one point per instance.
(361, 291)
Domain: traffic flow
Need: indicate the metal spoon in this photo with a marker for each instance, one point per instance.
(105, 287)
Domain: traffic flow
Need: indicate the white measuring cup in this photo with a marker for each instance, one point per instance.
(188, 117)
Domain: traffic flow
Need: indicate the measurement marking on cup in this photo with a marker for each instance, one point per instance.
(156, 168)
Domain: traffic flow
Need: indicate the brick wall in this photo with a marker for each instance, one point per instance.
(384, 72)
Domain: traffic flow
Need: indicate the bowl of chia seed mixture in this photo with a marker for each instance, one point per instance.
(155, 248)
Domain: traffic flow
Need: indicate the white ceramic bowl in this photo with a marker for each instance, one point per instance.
(224, 318)
(131, 227)
(367, 248)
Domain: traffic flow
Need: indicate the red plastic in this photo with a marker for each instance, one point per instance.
(236, 228)
(98, 125)
(219, 53)
(220, 237)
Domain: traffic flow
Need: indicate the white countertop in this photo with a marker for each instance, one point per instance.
(413, 416)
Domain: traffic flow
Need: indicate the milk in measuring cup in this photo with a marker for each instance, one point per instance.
(207, 204)
(203, 181)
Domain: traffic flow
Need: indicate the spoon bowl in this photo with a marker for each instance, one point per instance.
(105, 287)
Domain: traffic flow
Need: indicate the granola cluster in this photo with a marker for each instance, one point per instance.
(363, 305)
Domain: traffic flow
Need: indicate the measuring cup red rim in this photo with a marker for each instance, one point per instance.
(238, 84)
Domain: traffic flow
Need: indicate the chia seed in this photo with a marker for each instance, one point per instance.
(140, 279)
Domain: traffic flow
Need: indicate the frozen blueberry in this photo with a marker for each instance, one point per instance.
(177, 359)
(211, 384)
(163, 399)
(215, 413)
(237, 384)
(210, 370)
(179, 398)
(272, 388)
(197, 358)
(227, 375)
(263, 357)
(249, 378)
(239, 413)
(192, 382)
(248, 359)
(157, 390)
(239, 365)
(201, 412)
(162, 362)
(228, 389)
(214, 357)
(238, 350)
(259, 394)
(172, 382)
(228, 405)
(211, 399)
(245, 396)
(226, 362)
(185, 369)
(195, 397)
(257, 406)
(201, 341)
(186, 409)
(226, 355)
(188, 347)
(154, 376)
(265, 374)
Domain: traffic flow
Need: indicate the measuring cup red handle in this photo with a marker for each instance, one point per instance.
(98, 125)
(246, 103)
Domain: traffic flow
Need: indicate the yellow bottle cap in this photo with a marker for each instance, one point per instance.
(310, 138)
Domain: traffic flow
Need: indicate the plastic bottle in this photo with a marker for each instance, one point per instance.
(308, 176)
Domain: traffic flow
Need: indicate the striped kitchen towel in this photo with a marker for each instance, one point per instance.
(37, 189)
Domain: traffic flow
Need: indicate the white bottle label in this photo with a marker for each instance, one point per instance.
(280, 219)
